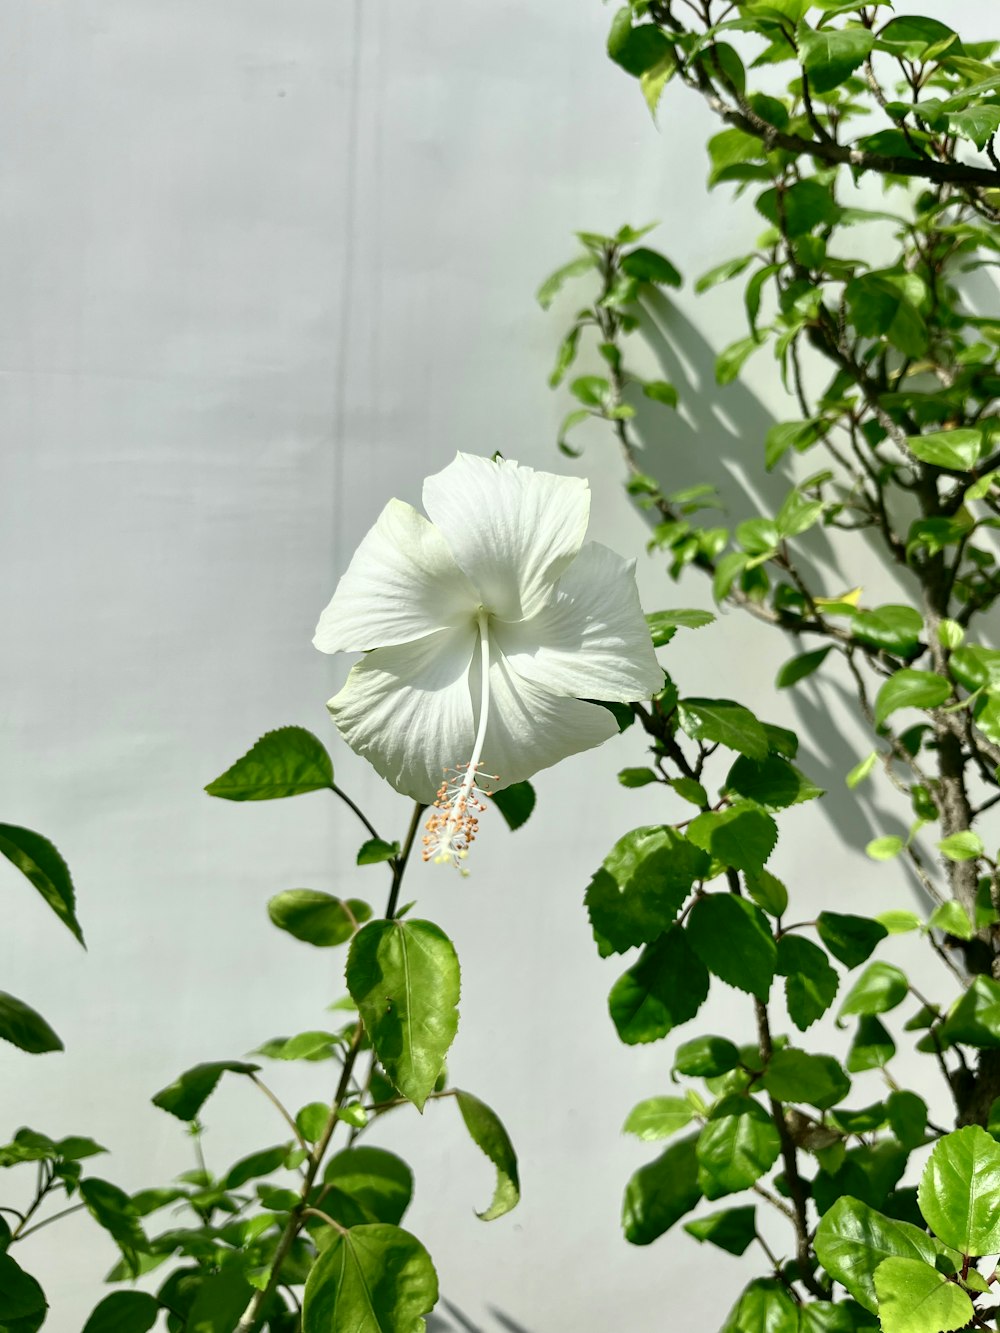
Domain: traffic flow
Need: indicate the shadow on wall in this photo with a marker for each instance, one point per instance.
(718, 437)
(462, 1324)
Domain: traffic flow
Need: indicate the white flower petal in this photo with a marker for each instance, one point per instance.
(591, 641)
(512, 530)
(529, 728)
(402, 584)
(407, 710)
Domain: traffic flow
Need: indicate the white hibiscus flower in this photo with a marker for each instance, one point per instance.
(483, 629)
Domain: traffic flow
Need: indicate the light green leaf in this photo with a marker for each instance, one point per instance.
(732, 938)
(24, 1027)
(860, 771)
(317, 918)
(797, 1076)
(553, 284)
(40, 862)
(659, 391)
(404, 978)
(488, 1133)
(913, 1297)
(893, 629)
(956, 449)
(658, 1117)
(286, 762)
(899, 921)
(185, 1097)
(853, 1240)
(725, 722)
(738, 1145)
(660, 1193)
(964, 846)
(978, 123)
(910, 689)
(884, 849)
(664, 988)
(958, 1191)
(639, 889)
(370, 1279)
(880, 987)
(831, 54)
(953, 919)
(732, 359)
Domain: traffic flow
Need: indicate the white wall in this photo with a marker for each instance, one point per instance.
(262, 266)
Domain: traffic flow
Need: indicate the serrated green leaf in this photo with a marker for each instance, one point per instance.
(913, 1297)
(404, 978)
(738, 1145)
(724, 722)
(641, 886)
(371, 1279)
(366, 1185)
(772, 782)
(650, 266)
(852, 1240)
(797, 1076)
(555, 282)
(663, 989)
(286, 762)
(732, 938)
(742, 836)
(810, 982)
(831, 54)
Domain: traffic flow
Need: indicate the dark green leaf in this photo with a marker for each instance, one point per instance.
(831, 54)
(801, 207)
(220, 1301)
(880, 987)
(124, 1312)
(798, 668)
(895, 629)
(515, 803)
(659, 391)
(797, 1076)
(317, 918)
(907, 1117)
(39, 862)
(371, 1279)
(706, 1057)
(958, 1191)
(732, 1229)
(725, 722)
(660, 1193)
(810, 982)
(764, 1307)
(658, 1117)
(404, 978)
(733, 940)
(771, 782)
(377, 1182)
(185, 1097)
(975, 1019)
(641, 886)
(978, 123)
(850, 939)
(741, 837)
(286, 762)
(256, 1164)
(489, 1134)
(664, 988)
(23, 1027)
(651, 266)
(20, 1295)
(375, 851)
(872, 1047)
(112, 1209)
(738, 1145)
(638, 49)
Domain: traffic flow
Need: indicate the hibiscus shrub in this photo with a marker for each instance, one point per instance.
(894, 391)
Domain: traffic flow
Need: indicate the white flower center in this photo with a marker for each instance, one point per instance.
(454, 817)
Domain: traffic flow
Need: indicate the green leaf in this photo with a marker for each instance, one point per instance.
(892, 629)
(958, 1191)
(810, 982)
(742, 836)
(975, 1019)
(953, 919)
(650, 266)
(20, 1295)
(831, 54)
(785, 435)
(185, 1097)
(797, 1076)
(732, 938)
(317, 918)
(658, 1118)
(799, 207)
(850, 939)
(910, 689)
(664, 988)
(738, 1145)
(723, 722)
(641, 886)
(826, 1317)
(39, 862)
(764, 1307)
(22, 1026)
(637, 49)
(872, 1047)
(375, 851)
(515, 803)
(860, 771)
(907, 1117)
(220, 1301)
(124, 1312)
(957, 449)
(879, 988)
(964, 846)
(553, 284)
(706, 1057)
(377, 1184)
(852, 1240)
(371, 1279)
(404, 978)
(659, 391)
(798, 668)
(637, 777)
(732, 268)
(884, 849)
(771, 782)
(312, 1120)
(286, 762)
(732, 359)
(913, 1297)
(489, 1134)
(112, 1209)
(664, 624)
(260, 1163)
(660, 1193)
(732, 1229)
(978, 123)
